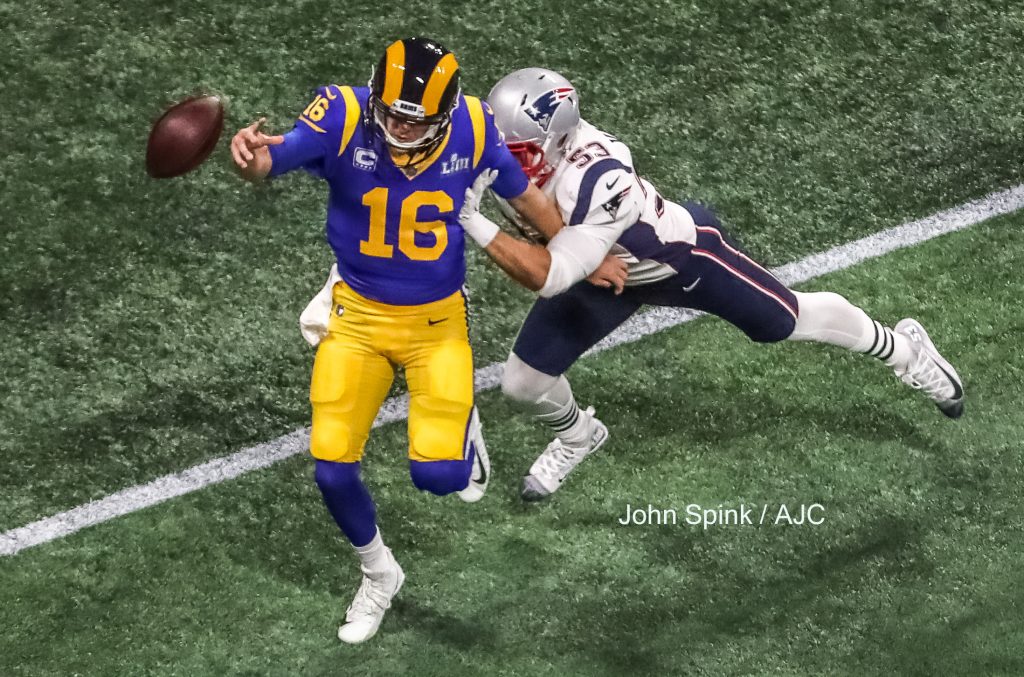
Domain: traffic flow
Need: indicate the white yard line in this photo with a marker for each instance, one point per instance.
(395, 409)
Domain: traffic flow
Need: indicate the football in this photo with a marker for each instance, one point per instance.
(184, 136)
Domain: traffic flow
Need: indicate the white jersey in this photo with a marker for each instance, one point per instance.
(599, 194)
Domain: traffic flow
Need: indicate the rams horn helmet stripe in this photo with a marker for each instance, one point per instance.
(439, 80)
(394, 72)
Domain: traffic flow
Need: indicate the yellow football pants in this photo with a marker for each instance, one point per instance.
(355, 365)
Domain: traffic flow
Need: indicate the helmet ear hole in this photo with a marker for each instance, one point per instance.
(562, 141)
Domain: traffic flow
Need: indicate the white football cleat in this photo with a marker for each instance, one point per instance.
(481, 473)
(556, 462)
(371, 601)
(929, 372)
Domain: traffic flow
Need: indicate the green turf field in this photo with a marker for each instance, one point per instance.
(149, 326)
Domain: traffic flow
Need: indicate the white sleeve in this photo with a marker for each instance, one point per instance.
(577, 250)
(575, 253)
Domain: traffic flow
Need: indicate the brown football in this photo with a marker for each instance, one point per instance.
(184, 136)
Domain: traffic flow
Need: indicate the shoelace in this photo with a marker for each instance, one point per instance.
(370, 599)
(556, 459)
(925, 375)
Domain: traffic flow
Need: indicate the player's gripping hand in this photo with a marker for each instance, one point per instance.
(611, 273)
(246, 145)
(476, 225)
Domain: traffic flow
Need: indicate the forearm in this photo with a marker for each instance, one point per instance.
(526, 263)
(570, 256)
(539, 210)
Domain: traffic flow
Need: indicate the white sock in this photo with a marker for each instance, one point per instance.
(557, 408)
(890, 347)
(549, 399)
(826, 317)
(374, 556)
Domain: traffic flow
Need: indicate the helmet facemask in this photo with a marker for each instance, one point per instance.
(539, 160)
(385, 118)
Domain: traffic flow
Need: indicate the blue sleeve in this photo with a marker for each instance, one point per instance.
(317, 129)
(300, 148)
(511, 181)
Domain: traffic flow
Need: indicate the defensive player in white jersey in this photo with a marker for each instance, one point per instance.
(673, 255)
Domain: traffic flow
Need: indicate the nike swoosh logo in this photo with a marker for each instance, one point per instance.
(958, 392)
(690, 287)
(433, 322)
(609, 185)
(478, 464)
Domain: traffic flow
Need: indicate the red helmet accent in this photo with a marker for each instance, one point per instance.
(531, 158)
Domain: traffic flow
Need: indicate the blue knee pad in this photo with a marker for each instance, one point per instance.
(348, 500)
(442, 477)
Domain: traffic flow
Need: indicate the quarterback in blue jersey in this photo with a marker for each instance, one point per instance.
(398, 157)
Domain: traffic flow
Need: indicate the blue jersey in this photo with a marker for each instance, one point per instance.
(397, 238)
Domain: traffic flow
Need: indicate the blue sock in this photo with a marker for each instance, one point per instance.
(348, 500)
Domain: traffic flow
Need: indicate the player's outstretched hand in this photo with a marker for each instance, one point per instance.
(249, 139)
(611, 273)
(474, 194)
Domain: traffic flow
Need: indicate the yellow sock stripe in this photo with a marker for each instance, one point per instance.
(394, 72)
(351, 116)
(439, 79)
(476, 115)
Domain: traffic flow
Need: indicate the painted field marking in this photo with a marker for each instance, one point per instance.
(396, 408)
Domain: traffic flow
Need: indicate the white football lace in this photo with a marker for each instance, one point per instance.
(925, 375)
(370, 600)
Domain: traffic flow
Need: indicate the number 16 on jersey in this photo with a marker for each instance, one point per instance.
(376, 243)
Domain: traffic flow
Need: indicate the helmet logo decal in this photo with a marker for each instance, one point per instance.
(543, 108)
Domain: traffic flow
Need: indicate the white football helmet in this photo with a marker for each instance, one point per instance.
(538, 112)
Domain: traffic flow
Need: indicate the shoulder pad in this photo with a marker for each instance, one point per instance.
(480, 119)
(334, 111)
(580, 192)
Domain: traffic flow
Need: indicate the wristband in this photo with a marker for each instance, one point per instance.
(481, 229)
